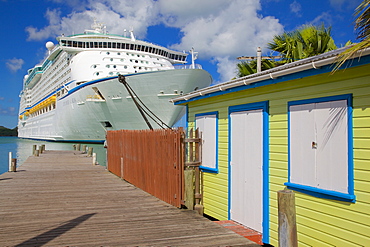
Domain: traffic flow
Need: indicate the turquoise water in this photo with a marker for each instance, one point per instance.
(22, 148)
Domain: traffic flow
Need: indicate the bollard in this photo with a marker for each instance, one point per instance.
(189, 175)
(84, 148)
(34, 147)
(94, 159)
(198, 196)
(13, 166)
(40, 149)
(10, 161)
(43, 147)
(90, 152)
(287, 228)
(37, 152)
(78, 146)
(74, 146)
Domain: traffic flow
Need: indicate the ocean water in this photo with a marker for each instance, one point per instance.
(22, 148)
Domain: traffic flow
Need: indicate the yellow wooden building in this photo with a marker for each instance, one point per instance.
(297, 126)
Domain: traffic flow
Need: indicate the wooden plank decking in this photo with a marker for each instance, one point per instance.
(61, 199)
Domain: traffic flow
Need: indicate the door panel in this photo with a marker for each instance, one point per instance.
(246, 159)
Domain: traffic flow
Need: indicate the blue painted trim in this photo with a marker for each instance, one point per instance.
(205, 168)
(266, 175)
(351, 167)
(321, 99)
(264, 105)
(328, 194)
(210, 170)
(102, 79)
(298, 75)
(87, 84)
(248, 107)
(187, 117)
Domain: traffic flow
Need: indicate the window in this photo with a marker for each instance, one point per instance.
(320, 147)
(207, 124)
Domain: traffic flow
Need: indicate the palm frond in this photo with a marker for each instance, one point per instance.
(350, 53)
(362, 22)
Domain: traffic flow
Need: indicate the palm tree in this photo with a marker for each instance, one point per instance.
(302, 43)
(250, 67)
(362, 25)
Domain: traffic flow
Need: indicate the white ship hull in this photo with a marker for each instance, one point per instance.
(81, 116)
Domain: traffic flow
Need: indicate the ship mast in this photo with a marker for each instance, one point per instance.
(194, 56)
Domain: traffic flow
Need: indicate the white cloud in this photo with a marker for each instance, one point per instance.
(344, 4)
(220, 30)
(9, 111)
(226, 67)
(54, 27)
(14, 64)
(235, 30)
(324, 17)
(296, 8)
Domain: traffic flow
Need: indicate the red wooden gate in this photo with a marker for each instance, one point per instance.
(152, 160)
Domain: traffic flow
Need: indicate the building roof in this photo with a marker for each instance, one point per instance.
(314, 62)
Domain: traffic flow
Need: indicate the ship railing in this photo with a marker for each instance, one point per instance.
(183, 66)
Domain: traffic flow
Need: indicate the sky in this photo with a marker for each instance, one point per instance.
(219, 30)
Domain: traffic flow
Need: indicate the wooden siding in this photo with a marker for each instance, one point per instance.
(321, 222)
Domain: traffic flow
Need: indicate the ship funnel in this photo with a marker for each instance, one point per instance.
(132, 34)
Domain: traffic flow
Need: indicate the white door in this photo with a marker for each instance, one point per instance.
(246, 159)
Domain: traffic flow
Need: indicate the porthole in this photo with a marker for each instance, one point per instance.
(122, 59)
(136, 61)
(94, 66)
(114, 66)
(118, 53)
(110, 73)
(138, 55)
(111, 59)
(108, 52)
(107, 66)
(125, 66)
(97, 73)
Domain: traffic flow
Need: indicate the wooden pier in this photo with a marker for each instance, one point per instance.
(61, 199)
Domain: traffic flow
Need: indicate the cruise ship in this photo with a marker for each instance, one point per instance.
(75, 95)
